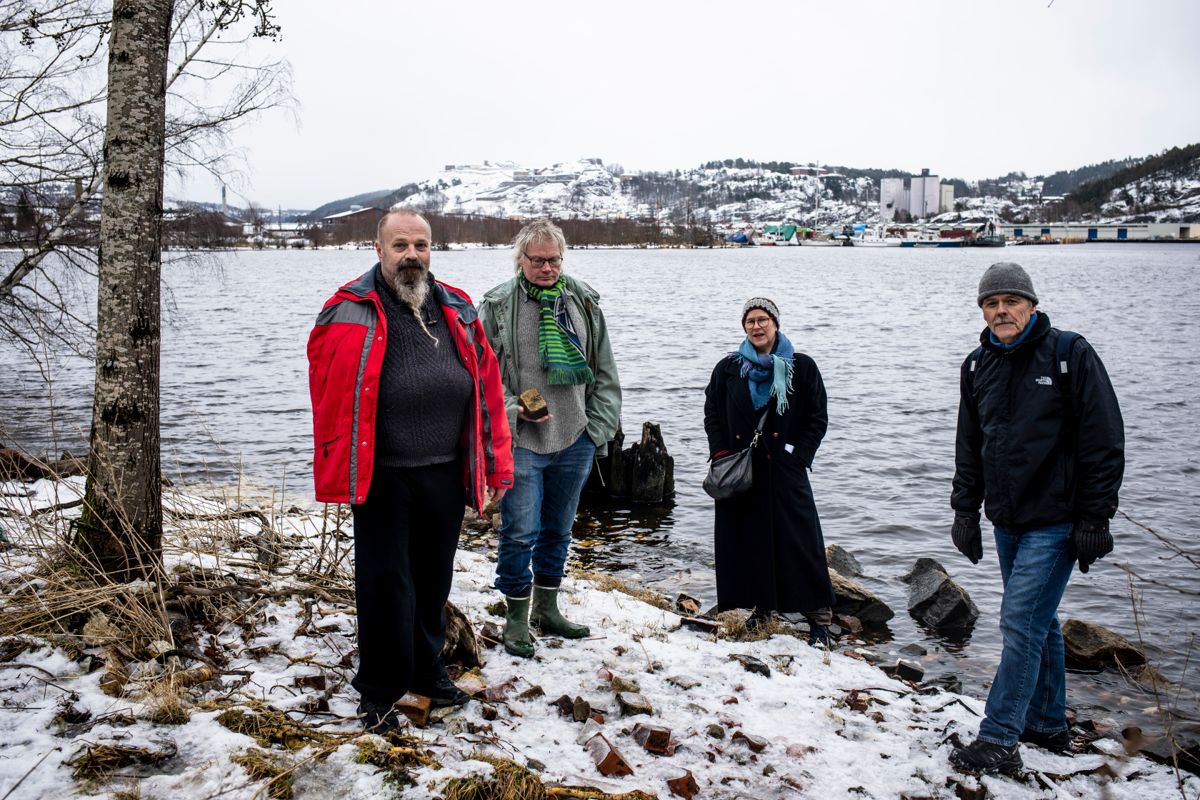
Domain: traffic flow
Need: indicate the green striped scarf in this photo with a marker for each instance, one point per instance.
(558, 344)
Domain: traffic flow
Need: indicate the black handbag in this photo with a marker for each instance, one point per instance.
(733, 474)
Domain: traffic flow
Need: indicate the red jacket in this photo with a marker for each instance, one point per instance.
(345, 355)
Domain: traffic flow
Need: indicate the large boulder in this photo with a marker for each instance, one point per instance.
(935, 600)
(852, 599)
(1096, 647)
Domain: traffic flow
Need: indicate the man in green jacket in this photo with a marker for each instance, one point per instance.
(549, 334)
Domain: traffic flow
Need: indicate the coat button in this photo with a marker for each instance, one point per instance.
(775, 434)
(364, 444)
(737, 436)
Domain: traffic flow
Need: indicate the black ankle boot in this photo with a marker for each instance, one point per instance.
(986, 758)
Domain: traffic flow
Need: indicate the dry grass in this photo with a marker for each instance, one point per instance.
(607, 583)
(397, 755)
(94, 763)
(273, 728)
(261, 765)
(733, 627)
(507, 781)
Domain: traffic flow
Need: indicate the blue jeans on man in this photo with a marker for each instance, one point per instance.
(1029, 692)
(537, 514)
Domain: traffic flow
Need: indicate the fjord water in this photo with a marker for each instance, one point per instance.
(888, 328)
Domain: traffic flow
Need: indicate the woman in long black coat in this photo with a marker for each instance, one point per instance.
(769, 549)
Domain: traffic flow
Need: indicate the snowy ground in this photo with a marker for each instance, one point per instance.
(832, 726)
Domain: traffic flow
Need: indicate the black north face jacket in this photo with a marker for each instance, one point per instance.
(1031, 453)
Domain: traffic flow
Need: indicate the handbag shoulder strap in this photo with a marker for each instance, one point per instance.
(762, 421)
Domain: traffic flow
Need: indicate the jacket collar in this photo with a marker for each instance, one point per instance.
(363, 287)
(571, 286)
(1041, 326)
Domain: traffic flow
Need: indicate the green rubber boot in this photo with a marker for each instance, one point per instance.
(547, 618)
(516, 627)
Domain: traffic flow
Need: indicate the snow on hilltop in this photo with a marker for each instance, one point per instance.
(589, 189)
(773, 718)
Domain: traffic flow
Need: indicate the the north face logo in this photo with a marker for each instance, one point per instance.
(1044, 380)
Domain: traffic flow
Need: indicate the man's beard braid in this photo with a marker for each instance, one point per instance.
(412, 287)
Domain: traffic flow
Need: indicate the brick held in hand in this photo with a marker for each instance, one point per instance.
(533, 404)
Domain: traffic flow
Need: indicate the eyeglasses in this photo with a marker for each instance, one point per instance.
(538, 261)
(757, 322)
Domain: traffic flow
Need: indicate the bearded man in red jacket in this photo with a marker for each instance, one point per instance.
(409, 426)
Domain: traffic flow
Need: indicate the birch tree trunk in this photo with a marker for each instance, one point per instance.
(121, 527)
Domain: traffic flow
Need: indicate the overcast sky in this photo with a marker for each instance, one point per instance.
(390, 92)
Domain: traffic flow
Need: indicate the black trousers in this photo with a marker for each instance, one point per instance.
(405, 535)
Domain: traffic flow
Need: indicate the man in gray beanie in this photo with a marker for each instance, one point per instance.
(1041, 446)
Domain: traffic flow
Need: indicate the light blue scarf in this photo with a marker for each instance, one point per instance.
(768, 376)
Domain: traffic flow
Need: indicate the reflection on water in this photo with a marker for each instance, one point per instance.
(888, 330)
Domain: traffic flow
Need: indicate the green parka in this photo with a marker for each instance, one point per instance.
(498, 314)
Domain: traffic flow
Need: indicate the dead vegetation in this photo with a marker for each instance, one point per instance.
(608, 583)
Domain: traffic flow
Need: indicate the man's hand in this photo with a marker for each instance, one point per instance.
(522, 416)
(967, 536)
(1092, 541)
(494, 493)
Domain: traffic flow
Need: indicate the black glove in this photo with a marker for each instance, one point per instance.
(967, 536)
(1092, 541)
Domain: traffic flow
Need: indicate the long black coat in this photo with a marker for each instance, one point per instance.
(769, 549)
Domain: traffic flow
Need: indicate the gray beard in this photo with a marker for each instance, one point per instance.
(411, 287)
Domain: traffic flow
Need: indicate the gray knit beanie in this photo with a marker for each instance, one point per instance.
(763, 303)
(1005, 277)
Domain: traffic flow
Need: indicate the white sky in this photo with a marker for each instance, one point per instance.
(389, 92)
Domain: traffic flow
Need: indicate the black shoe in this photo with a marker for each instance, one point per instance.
(1054, 741)
(985, 758)
(380, 718)
(819, 636)
(442, 693)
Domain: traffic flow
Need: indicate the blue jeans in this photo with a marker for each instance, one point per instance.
(537, 514)
(1030, 689)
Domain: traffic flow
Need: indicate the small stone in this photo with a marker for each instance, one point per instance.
(531, 692)
(535, 765)
(752, 664)
(580, 709)
(687, 605)
(653, 738)
(604, 674)
(632, 703)
(799, 750)
(416, 707)
(905, 669)
(498, 691)
(684, 682)
(533, 404)
(858, 701)
(490, 634)
(684, 786)
(913, 650)
(715, 731)
(756, 743)
(565, 705)
(731, 700)
(620, 684)
(607, 758)
(852, 599)
(590, 728)
(489, 713)
(497, 609)
(848, 623)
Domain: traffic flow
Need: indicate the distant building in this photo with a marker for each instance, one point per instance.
(922, 196)
(356, 225)
(947, 198)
